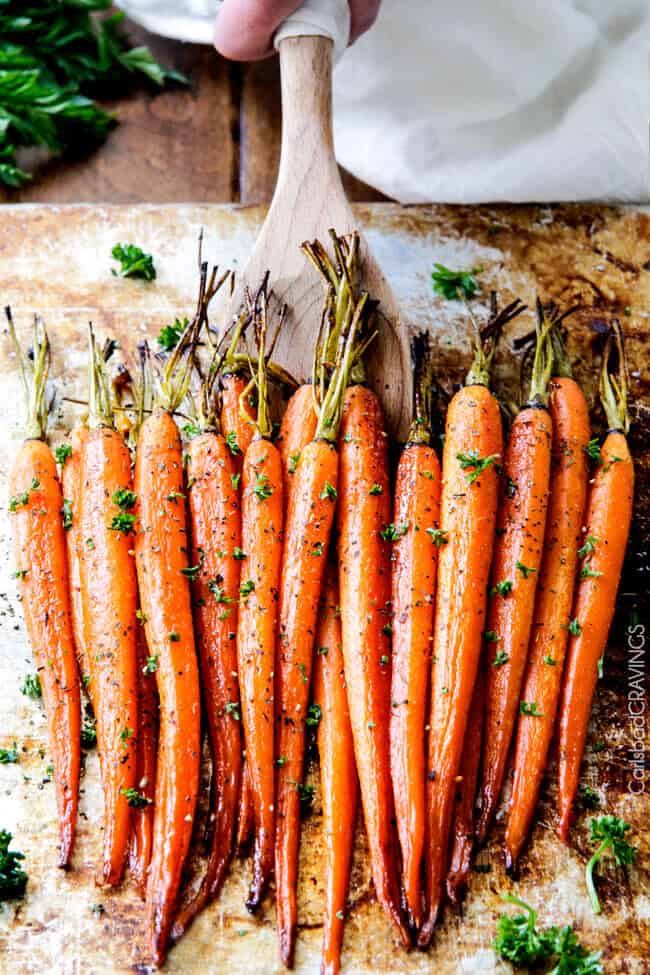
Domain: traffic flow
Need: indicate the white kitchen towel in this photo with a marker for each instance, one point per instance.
(464, 101)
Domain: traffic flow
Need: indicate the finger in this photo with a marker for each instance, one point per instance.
(363, 14)
(244, 28)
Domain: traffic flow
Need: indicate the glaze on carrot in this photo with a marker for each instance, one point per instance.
(262, 522)
(338, 772)
(308, 525)
(606, 531)
(473, 449)
(218, 560)
(70, 485)
(462, 832)
(297, 429)
(245, 817)
(109, 601)
(35, 506)
(415, 558)
(517, 558)
(550, 632)
(161, 547)
(142, 808)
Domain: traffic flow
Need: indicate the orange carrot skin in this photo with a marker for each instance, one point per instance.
(308, 527)
(216, 538)
(542, 683)
(40, 550)
(364, 579)
(338, 773)
(109, 600)
(245, 817)
(70, 485)
(608, 518)
(142, 818)
(468, 517)
(297, 429)
(232, 422)
(161, 555)
(415, 558)
(462, 833)
(520, 541)
(257, 632)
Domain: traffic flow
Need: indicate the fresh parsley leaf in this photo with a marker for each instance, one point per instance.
(588, 796)
(609, 833)
(293, 462)
(592, 451)
(151, 665)
(376, 489)
(66, 514)
(169, 335)
(262, 488)
(63, 453)
(586, 572)
(9, 756)
(314, 714)
(525, 570)
(232, 708)
(123, 522)
(589, 546)
(454, 285)
(475, 465)
(574, 627)
(134, 263)
(438, 536)
(13, 879)
(329, 491)
(392, 533)
(246, 589)
(530, 708)
(518, 940)
(231, 443)
(135, 799)
(124, 498)
(32, 686)
(500, 658)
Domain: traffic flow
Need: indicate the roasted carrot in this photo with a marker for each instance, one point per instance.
(415, 558)
(338, 772)
(35, 505)
(262, 518)
(363, 517)
(515, 570)
(70, 485)
(462, 833)
(109, 601)
(550, 631)
(607, 527)
(297, 429)
(473, 449)
(308, 525)
(146, 752)
(161, 549)
(217, 560)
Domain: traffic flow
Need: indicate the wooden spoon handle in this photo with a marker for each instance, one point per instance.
(307, 140)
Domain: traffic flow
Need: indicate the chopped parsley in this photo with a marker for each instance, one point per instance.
(454, 285)
(592, 451)
(174, 637)
(231, 443)
(246, 589)
(502, 588)
(134, 263)
(169, 335)
(530, 708)
(238, 554)
(329, 491)
(13, 879)
(392, 533)
(438, 536)
(234, 480)
(66, 514)
(151, 665)
(609, 833)
(475, 465)
(500, 659)
(586, 572)
(123, 523)
(135, 799)
(525, 570)
(314, 714)
(124, 499)
(293, 462)
(63, 453)
(232, 708)
(125, 734)
(589, 546)
(9, 756)
(574, 628)
(376, 489)
(262, 488)
(491, 637)
(32, 686)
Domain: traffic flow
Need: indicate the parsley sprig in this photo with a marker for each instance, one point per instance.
(609, 832)
(521, 942)
(13, 878)
(134, 263)
(454, 285)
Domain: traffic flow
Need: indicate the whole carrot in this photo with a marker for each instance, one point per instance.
(109, 600)
(606, 531)
(515, 570)
(462, 831)
(161, 548)
(308, 525)
(70, 485)
(415, 558)
(142, 799)
(473, 450)
(338, 772)
(363, 522)
(217, 561)
(35, 505)
(550, 631)
(262, 519)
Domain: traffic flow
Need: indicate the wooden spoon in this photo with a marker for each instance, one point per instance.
(309, 199)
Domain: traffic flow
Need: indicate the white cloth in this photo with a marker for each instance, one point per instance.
(464, 101)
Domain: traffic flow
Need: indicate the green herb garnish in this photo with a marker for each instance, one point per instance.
(454, 285)
(609, 832)
(134, 263)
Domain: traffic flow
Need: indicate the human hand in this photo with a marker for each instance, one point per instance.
(244, 28)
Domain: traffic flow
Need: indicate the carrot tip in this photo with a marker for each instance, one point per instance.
(425, 936)
(287, 942)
